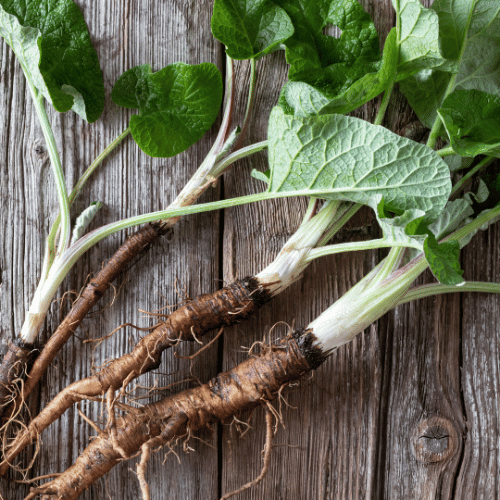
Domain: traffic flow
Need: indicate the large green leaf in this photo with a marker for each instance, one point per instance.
(419, 44)
(303, 99)
(353, 160)
(328, 63)
(472, 121)
(469, 32)
(250, 28)
(51, 40)
(177, 105)
(315, 90)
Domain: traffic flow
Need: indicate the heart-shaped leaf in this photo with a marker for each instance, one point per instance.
(177, 105)
(250, 28)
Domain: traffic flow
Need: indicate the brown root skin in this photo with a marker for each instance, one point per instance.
(131, 248)
(225, 307)
(12, 367)
(251, 384)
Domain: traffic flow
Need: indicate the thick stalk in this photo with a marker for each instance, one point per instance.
(363, 304)
(250, 98)
(448, 151)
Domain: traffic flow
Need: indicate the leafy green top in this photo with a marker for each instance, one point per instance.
(472, 121)
(469, 35)
(51, 40)
(354, 160)
(177, 105)
(250, 28)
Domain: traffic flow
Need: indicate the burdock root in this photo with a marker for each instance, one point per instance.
(225, 307)
(253, 383)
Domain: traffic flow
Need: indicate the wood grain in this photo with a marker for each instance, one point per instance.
(409, 410)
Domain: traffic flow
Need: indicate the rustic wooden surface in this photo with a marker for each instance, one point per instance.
(409, 410)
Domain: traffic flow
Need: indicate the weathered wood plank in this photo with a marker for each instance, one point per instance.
(480, 377)
(129, 183)
(329, 445)
(408, 410)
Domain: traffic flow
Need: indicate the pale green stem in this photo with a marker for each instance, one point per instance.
(94, 237)
(56, 167)
(351, 247)
(431, 289)
(90, 170)
(388, 93)
(437, 125)
(363, 304)
(250, 98)
(383, 105)
(210, 169)
(81, 182)
(292, 260)
(251, 93)
(311, 208)
(341, 222)
(241, 153)
(390, 263)
(482, 164)
(448, 151)
(434, 133)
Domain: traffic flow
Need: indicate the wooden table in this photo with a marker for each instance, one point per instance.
(409, 410)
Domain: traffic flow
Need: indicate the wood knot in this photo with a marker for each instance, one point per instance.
(39, 150)
(434, 440)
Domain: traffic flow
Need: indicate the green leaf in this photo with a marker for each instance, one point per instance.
(177, 105)
(419, 44)
(469, 35)
(330, 64)
(261, 176)
(84, 219)
(425, 92)
(444, 260)
(302, 99)
(53, 45)
(402, 229)
(453, 216)
(250, 28)
(353, 160)
(472, 121)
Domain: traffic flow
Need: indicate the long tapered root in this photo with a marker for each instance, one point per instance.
(266, 459)
(225, 307)
(141, 471)
(251, 384)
